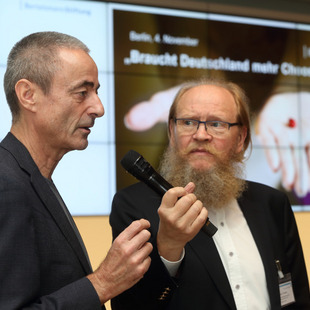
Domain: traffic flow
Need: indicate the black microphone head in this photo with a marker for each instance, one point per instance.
(136, 165)
(129, 160)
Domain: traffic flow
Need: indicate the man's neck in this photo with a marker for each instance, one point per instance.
(45, 159)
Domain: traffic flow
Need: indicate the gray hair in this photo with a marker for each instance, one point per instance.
(35, 58)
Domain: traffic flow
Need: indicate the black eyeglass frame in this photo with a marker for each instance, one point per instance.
(206, 122)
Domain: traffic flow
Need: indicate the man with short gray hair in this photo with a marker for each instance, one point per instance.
(51, 84)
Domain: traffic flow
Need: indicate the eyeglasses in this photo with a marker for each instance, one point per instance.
(190, 126)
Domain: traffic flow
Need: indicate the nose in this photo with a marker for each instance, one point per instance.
(97, 109)
(202, 133)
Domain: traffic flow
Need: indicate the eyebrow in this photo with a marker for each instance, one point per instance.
(84, 84)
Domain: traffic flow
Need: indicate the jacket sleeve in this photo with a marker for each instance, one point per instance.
(20, 263)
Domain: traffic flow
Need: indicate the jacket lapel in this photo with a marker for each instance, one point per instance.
(50, 201)
(46, 195)
(205, 249)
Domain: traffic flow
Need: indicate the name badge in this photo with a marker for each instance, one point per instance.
(285, 287)
(286, 290)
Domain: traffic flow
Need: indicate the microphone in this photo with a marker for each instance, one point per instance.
(137, 166)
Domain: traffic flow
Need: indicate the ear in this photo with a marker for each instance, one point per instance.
(171, 133)
(241, 138)
(26, 94)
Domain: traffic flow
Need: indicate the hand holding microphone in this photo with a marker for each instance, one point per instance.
(136, 165)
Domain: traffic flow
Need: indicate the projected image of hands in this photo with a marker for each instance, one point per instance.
(283, 128)
(144, 115)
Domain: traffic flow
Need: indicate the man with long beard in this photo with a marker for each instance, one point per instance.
(255, 259)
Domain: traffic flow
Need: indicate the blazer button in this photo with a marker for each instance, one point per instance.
(165, 293)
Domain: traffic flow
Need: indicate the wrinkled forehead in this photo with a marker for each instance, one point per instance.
(207, 99)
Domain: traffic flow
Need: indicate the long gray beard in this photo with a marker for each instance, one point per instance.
(214, 187)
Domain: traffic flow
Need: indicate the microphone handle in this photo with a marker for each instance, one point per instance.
(160, 185)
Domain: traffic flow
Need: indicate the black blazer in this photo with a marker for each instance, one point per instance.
(42, 264)
(202, 282)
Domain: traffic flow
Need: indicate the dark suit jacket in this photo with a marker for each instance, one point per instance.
(202, 282)
(42, 264)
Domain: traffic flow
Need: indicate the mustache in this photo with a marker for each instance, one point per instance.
(202, 148)
(232, 156)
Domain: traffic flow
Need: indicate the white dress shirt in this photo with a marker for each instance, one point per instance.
(240, 257)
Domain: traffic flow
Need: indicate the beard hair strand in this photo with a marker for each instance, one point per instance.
(215, 187)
